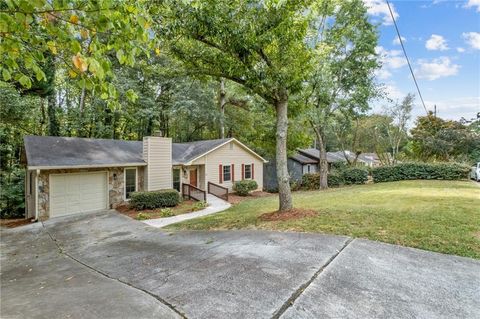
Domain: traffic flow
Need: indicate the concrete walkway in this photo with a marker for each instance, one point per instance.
(215, 205)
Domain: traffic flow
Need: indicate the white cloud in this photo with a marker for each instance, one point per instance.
(391, 60)
(460, 50)
(436, 68)
(436, 42)
(473, 39)
(396, 41)
(473, 4)
(393, 92)
(455, 108)
(379, 8)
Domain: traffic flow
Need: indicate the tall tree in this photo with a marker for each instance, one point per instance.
(260, 45)
(343, 80)
(397, 130)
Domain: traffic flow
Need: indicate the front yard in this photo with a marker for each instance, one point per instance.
(441, 216)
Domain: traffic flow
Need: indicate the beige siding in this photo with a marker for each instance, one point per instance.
(158, 155)
(232, 153)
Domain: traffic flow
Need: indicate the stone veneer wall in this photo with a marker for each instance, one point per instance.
(115, 186)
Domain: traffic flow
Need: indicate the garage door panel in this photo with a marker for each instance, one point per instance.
(77, 193)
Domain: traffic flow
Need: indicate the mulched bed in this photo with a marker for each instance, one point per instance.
(294, 213)
(235, 199)
(15, 222)
(184, 207)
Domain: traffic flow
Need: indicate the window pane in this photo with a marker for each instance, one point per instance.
(130, 181)
(226, 173)
(176, 179)
(248, 171)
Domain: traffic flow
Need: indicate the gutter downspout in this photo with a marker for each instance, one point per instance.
(36, 194)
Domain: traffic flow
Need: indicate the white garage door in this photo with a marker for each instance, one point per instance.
(77, 193)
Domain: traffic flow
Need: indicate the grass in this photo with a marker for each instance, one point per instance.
(441, 216)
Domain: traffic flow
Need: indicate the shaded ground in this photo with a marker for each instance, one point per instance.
(14, 222)
(233, 198)
(441, 216)
(111, 266)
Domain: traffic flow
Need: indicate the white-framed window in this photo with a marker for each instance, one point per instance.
(247, 171)
(176, 179)
(130, 181)
(227, 174)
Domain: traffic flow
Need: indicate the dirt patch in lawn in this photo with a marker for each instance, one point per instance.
(294, 213)
(15, 222)
(235, 199)
(184, 207)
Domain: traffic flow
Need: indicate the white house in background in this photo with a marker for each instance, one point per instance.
(68, 175)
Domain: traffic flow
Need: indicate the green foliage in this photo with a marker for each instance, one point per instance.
(12, 193)
(157, 199)
(88, 36)
(312, 181)
(166, 212)
(142, 216)
(244, 187)
(354, 176)
(335, 180)
(199, 205)
(408, 171)
(444, 140)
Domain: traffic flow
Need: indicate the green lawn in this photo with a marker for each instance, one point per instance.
(442, 216)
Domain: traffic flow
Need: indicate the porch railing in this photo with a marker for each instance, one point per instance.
(192, 192)
(217, 190)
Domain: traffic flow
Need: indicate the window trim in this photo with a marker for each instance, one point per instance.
(245, 171)
(125, 181)
(229, 173)
(179, 179)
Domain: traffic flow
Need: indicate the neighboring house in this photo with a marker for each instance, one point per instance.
(305, 161)
(67, 175)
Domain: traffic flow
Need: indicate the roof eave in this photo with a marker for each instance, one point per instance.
(49, 167)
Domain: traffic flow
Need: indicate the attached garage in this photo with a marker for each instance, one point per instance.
(78, 193)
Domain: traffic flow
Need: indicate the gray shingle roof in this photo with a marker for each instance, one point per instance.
(303, 159)
(185, 152)
(74, 151)
(52, 151)
(331, 156)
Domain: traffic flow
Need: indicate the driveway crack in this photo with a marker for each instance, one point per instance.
(297, 293)
(63, 252)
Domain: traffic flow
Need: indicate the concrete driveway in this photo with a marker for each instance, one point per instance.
(106, 265)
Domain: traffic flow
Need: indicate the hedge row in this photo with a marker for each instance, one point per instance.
(244, 187)
(408, 171)
(157, 199)
(348, 176)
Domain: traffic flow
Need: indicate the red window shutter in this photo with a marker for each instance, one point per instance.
(253, 174)
(220, 173)
(243, 171)
(233, 173)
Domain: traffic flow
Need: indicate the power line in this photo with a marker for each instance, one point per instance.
(406, 56)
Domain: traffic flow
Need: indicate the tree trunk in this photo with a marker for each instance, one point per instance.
(322, 163)
(221, 105)
(284, 193)
(53, 126)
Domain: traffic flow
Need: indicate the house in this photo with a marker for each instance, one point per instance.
(69, 175)
(305, 161)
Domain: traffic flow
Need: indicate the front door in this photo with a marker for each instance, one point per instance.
(193, 177)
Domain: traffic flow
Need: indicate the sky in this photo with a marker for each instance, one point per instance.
(442, 40)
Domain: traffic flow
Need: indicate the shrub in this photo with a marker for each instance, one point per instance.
(408, 171)
(354, 176)
(334, 180)
(242, 188)
(157, 199)
(142, 216)
(312, 181)
(199, 205)
(12, 193)
(166, 212)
